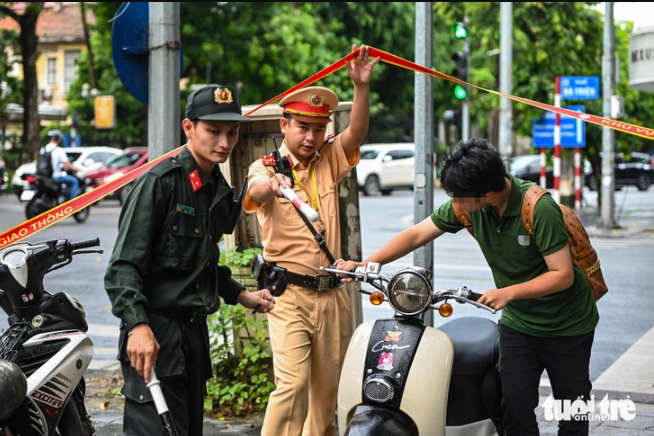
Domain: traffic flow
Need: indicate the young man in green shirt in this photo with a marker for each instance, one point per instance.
(548, 310)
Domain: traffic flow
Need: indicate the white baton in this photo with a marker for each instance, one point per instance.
(300, 204)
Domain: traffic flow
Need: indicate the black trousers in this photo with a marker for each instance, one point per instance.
(182, 371)
(522, 361)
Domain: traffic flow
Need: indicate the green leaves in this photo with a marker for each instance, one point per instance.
(239, 351)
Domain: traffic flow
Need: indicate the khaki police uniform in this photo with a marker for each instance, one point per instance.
(164, 271)
(310, 326)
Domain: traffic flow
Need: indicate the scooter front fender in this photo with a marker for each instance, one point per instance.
(426, 389)
(369, 420)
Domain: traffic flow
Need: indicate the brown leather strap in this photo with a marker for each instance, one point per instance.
(463, 217)
(528, 205)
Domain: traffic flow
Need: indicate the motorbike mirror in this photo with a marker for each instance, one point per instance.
(376, 298)
(445, 310)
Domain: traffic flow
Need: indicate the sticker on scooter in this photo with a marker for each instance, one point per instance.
(380, 346)
(27, 297)
(386, 362)
(393, 336)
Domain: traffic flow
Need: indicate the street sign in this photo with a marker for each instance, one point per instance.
(130, 43)
(580, 87)
(573, 130)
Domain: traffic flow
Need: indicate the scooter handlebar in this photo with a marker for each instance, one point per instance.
(359, 273)
(474, 296)
(84, 244)
(466, 294)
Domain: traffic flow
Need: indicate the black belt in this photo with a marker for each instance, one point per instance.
(317, 283)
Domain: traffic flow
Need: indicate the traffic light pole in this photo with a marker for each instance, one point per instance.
(424, 136)
(465, 110)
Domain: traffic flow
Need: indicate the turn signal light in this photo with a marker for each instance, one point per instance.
(445, 310)
(376, 298)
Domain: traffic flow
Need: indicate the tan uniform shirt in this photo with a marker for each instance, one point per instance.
(286, 239)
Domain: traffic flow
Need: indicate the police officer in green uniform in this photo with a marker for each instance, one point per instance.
(163, 278)
(549, 314)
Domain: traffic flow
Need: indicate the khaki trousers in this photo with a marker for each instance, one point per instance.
(309, 335)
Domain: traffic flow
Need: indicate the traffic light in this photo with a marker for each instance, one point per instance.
(460, 31)
(460, 72)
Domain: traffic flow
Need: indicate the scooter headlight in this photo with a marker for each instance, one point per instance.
(409, 291)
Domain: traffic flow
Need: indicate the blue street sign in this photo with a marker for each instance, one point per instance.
(130, 43)
(573, 130)
(580, 87)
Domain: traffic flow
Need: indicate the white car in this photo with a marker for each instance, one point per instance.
(86, 158)
(386, 167)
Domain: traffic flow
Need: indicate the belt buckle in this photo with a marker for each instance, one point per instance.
(324, 283)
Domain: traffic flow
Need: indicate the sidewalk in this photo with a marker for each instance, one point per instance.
(630, 378)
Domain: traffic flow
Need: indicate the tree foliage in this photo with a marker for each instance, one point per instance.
(266, 48)
(27, 43)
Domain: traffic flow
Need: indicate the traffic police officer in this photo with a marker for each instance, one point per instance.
(163, 278)
(310, 328)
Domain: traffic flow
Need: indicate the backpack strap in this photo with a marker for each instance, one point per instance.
(529, 204)
(463, 217)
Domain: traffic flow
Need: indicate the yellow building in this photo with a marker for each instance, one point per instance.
(61, 42)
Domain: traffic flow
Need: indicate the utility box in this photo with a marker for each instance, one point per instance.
(256, 140)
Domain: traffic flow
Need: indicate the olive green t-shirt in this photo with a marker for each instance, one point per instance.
(515, 257)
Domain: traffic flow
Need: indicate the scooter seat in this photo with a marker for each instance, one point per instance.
(476, 344)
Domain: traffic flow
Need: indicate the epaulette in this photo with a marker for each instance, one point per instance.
(166, 166)
(330, 138)
(267, 160)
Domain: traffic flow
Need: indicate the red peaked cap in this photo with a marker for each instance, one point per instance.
(313, 101)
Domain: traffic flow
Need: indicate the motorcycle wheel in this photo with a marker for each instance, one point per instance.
(34, 207)
(75, 420)
(82, 215)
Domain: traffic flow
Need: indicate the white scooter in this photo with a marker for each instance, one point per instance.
(45, 351)
(402, 377)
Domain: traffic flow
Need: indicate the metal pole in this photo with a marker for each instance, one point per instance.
(465, 109)
(608, 136)
(543, 170)
(506, 76)
(164, 124)
(424, 135)
(557, 142)
(577, 178)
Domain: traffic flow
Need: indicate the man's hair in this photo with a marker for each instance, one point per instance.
(473, 169)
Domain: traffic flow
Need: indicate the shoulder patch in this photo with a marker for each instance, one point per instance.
(267, 160)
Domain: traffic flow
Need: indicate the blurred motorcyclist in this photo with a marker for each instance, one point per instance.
(60, 161)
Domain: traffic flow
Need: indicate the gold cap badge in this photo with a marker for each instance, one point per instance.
(222, 95)
(316, 100)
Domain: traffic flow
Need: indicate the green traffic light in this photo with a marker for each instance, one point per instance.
(460, 92)
(460, 31)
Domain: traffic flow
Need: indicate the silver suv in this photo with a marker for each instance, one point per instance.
(386, 167)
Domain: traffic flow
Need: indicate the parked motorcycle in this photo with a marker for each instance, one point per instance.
(402, 377)
(45, 194)
(45, 351)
